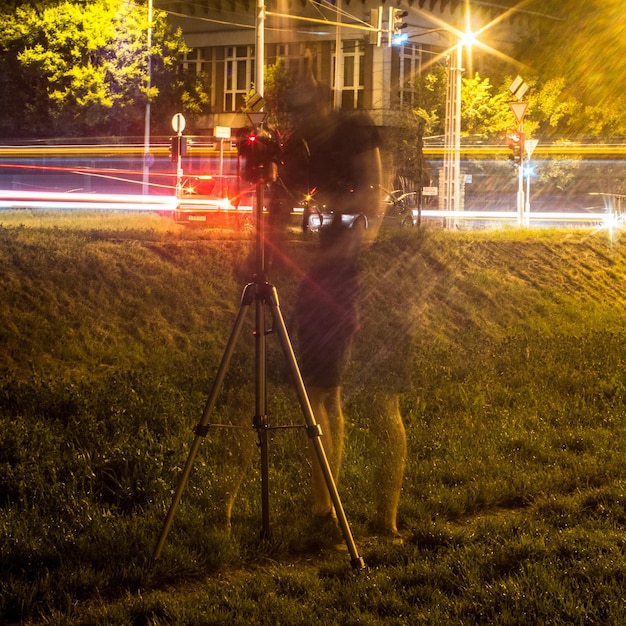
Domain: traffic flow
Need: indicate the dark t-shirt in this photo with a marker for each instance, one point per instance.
(319, 157)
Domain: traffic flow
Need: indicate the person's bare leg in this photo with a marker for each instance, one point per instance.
(326, 405)
(390, 445)
(236, 452)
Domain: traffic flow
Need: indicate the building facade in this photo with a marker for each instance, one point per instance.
(349, 39)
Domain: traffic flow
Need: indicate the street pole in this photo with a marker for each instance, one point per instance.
(179, 165)
(259, 78)
(452, 151)
(146, 134)
(527, 205)
(337, 87)
(519, 88)
(520, 186)
(529, 147)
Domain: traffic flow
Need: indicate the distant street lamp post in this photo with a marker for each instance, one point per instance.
(452, 200)
(519, 88)
(452, 137)
(259, 78)
(146, 135)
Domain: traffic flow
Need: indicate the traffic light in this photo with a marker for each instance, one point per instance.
(396, 25)
(259, 152)
(515, 139)
(178, 147)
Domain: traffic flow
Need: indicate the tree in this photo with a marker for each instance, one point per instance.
(483, 112)
(574, 56)
(279, 81)
(431, 99)
(80, 68)
(551, 110)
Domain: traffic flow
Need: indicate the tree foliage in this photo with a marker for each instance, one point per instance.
(485, 109)
(570, 53)
(279, 81)
(81, 68)
(485, 116)
(574, 59)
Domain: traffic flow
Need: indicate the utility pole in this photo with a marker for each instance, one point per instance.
(519, 88)
(259, 76)
(146, 135)
(452, 152)
(529, 145)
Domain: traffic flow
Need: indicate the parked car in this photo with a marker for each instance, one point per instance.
(315, 218)
(401, 208)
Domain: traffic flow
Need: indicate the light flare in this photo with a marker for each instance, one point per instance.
(468, 37)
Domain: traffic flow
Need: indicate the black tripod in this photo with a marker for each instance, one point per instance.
(262, 294)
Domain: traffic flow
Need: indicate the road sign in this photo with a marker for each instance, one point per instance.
(530, 145)
(519, 110)
(222, 132)
(518, 87)
(256, 102)
(256, 117)
(178, 123)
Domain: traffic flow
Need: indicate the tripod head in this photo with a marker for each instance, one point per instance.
(259, 151)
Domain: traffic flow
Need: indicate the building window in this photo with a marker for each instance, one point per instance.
(192, 62)
(291, 56)
(238, 76)
(353, 74)
(410, 69)
(202, 62)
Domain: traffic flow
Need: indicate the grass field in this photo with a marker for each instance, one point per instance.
(514, 500)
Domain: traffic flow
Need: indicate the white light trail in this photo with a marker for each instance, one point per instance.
(11, 199)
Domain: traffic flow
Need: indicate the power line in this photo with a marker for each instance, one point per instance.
(494, 5)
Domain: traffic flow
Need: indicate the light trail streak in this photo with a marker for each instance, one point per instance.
(108, 174)
(11, 199)
(209, 151)
(539, 216)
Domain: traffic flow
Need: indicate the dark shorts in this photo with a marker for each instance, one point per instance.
(327, 318)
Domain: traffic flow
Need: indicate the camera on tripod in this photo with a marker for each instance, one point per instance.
(259, 152)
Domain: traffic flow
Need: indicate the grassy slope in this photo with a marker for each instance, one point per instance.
(505, 329)
(88, 299)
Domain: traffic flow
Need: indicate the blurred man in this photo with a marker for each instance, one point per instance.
(334, 157)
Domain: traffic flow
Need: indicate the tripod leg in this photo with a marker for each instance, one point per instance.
(261, 422)
(202, 427)
(313, 428)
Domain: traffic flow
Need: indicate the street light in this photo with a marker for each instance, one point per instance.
(452, 149)
(259, 69)
(146, 135)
